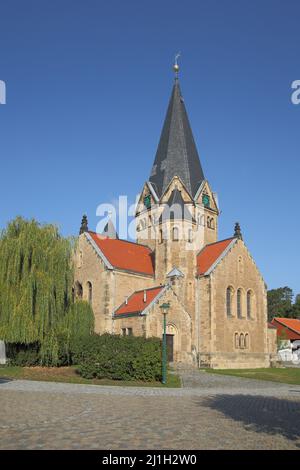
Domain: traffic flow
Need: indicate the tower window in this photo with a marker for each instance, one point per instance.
(160, 236)
(147, 201)
(206, 200)
(190, 236)
(175, 234)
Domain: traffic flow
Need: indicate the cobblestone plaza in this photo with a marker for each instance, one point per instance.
(209, 412)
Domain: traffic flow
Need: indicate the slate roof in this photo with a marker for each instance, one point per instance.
(176, 153)
(109, 230)
(211, 254)
(125, 255)
(136, 303)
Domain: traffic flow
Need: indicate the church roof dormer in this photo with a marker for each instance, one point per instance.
(176, 153)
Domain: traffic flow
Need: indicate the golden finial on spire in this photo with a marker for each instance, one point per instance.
(176, 66)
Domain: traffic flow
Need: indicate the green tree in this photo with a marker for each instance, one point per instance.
(36, 278)
(280, 303)
(296, 307)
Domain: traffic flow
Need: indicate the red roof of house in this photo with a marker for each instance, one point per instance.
(125, 255)
(290, 326)
(210, 253)
(136, 303)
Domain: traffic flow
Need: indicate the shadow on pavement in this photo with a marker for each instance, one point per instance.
(260, 414)
(4, 380)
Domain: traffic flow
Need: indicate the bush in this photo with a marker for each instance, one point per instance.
(118, 358)
(23, 354)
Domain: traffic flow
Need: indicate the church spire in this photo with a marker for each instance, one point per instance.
(176, 153)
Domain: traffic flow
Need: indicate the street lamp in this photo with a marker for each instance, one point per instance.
(164, 308)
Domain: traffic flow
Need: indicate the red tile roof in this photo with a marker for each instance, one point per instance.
(210, 253)
(136, 304)
(125, 255)
(290, 327)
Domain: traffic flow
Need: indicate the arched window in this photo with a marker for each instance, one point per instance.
(242, 341)
(208, 222)
(212, 223)
(246, 341)
(175, 234)
(236, 341)
(239, 303)
(78, 290)
(249, 304)
(229, 295)
(160, 236)
(90, 292)
(201, 220)
(190, 236)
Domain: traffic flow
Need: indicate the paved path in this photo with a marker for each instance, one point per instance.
(210, 412)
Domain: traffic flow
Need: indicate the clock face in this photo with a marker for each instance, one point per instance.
(205, 200)
(147, 201)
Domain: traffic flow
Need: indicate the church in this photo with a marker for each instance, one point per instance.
(217, 315)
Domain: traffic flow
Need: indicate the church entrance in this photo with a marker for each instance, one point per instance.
(170, 348)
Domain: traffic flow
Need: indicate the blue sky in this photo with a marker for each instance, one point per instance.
(88, 83)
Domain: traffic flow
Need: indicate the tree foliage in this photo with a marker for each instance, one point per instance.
(280, 303)
(36, 278)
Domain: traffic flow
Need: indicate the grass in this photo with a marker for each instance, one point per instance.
(69, 375)
(288, 375)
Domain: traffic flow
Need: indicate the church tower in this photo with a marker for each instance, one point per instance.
(177, 214)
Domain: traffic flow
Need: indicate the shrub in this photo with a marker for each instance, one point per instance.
(118, 358)
(23, 354)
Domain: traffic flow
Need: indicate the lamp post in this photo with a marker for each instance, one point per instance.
(164, 308)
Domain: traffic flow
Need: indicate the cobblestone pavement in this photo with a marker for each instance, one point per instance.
(210, 412)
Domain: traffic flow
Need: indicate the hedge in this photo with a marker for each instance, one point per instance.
(118, 358)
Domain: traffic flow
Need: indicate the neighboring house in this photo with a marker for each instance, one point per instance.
(218, 302)
(288, 334)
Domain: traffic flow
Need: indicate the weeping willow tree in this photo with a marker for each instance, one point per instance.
(36, 278)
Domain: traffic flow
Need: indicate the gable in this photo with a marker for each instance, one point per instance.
(206, 190)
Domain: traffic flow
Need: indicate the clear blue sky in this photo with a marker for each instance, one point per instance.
(88, 84)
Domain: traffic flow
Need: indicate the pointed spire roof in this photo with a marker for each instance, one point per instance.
(176, 153)
(109, 230)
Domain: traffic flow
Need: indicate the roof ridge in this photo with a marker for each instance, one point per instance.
(103, 237)
(215, 243)
(150, 288)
